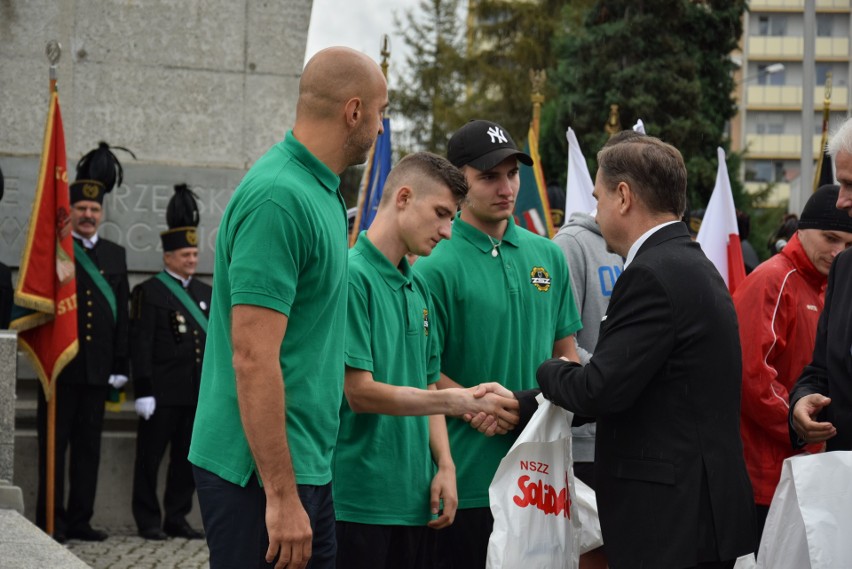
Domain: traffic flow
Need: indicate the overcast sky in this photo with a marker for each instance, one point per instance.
(359, 25)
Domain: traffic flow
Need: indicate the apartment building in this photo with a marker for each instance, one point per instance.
(769, 126)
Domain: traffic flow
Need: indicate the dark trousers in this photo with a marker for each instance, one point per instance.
(464, 545)
(367, 546)
(79, 423)
(235, 522)
(761, 512)
(168, 426)
(716, 565)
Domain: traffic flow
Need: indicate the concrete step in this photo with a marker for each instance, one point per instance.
(24, 546)
(115, 479)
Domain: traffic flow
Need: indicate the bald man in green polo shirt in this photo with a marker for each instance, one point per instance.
(272, 379)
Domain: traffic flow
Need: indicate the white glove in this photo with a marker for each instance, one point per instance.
(145, 407)
(117, 380)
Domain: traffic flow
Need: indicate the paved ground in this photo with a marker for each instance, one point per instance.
(125, 550)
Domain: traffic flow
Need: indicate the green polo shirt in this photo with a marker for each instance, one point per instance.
(496, 320)
(281, 245)
(383, 464)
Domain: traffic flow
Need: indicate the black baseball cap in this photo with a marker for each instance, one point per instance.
(482, 145)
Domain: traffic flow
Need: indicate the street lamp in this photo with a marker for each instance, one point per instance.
(768, 70)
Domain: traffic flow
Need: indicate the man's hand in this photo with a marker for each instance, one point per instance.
(290, 533)
(145, 407)
(804, 419)
(491, 423)
(117, 380)
(494, 399)
(444, 488)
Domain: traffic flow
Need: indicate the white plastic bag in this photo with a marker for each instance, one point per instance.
(532, 497)
(587, 516)
(809, 525)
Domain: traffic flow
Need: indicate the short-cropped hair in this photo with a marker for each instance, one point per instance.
(430, 166)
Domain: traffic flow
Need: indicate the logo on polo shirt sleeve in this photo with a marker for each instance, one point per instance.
(540, 278)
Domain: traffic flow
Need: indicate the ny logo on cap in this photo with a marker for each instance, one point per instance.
(497, 135)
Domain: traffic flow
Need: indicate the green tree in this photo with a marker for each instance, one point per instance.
(664, 61)
(508, 39)
(431, 89)
(457, 72)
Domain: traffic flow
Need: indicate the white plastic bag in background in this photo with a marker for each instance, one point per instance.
(587, 516)
(532, 497)
(809, 525)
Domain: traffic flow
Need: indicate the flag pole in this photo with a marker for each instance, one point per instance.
(53, 52)
(613, 123)
(826, 108)
(365, 180)
(538, 77)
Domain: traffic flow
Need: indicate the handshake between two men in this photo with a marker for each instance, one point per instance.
(493, 410)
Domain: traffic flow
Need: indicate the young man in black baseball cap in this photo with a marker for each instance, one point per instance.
(503, 305)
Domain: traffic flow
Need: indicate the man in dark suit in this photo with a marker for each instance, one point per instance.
(664, 381)
(168, 330)
(821, 401)
(101, 363)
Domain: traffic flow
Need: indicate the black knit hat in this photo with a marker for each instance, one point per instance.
(821, 212)
(98, 172)
(182, 219)
(483, 145)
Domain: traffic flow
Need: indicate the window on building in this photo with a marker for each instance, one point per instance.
(770, 128)
(824, 24)
(768, 123)
(772, 25)
(822, 71)
(764, 171)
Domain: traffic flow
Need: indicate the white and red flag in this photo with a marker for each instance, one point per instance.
(719, 236)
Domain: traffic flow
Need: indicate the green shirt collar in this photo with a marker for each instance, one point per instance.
(395, 277)
(326, 177)
(481, 240)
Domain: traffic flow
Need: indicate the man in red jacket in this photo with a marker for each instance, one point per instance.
(778, 306)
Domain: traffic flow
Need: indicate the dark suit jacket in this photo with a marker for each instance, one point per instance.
(103, 340)
(830, 371)
(664, 384)
(167, 344)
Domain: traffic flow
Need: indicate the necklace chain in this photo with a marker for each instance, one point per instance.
(494, 245)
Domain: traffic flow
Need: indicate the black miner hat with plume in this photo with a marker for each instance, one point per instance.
(98, 172)
(182, 219)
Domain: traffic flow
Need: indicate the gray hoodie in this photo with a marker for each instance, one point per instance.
(593, 275)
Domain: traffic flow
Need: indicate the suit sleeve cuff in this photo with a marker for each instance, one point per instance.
(527, 406)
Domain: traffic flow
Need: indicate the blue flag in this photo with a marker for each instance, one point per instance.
(375, 176)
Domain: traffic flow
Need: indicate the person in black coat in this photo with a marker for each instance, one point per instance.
(664, 381)
(821, 401)
(168, 331)
(102, 360)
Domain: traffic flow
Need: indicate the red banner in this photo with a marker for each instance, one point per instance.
(46, 289)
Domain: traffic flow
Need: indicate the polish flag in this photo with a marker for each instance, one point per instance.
(718, 235)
